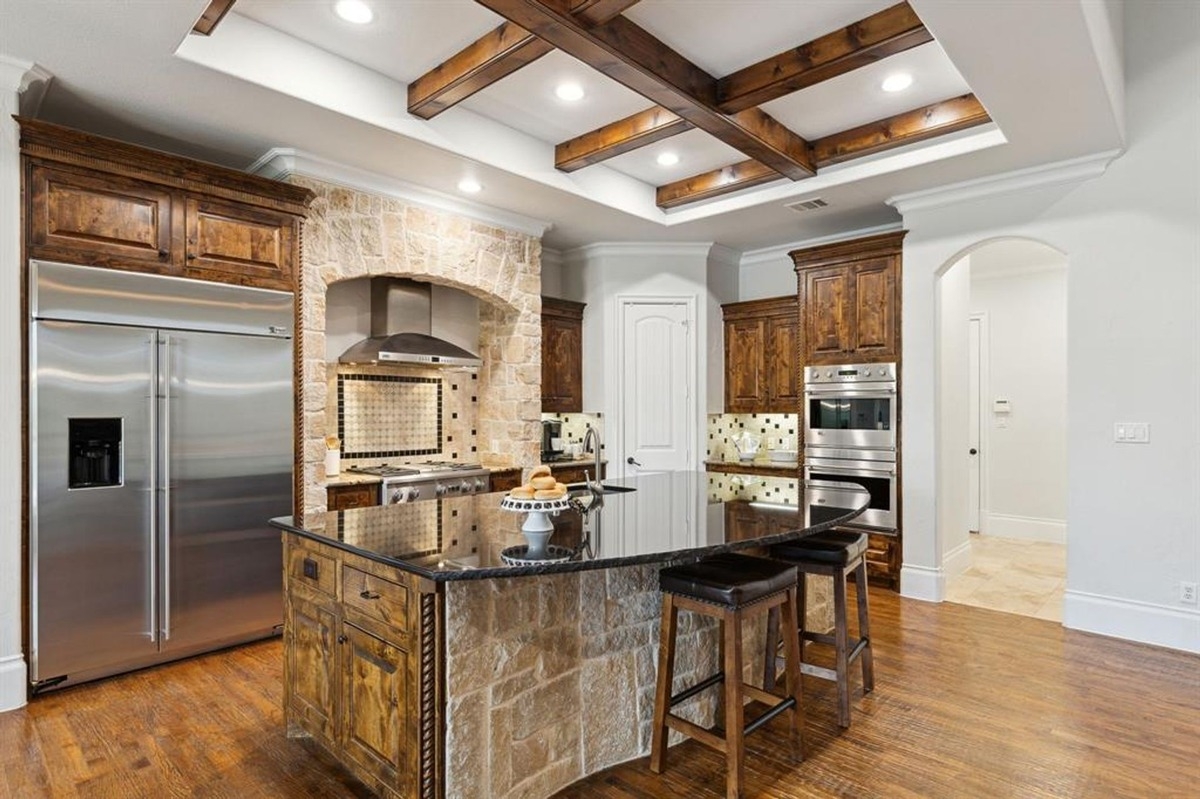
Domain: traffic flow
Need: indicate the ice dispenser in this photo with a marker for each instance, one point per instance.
(95, 456)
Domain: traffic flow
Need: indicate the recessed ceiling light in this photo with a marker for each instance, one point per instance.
(355, 11)
(569, 92)
(470, 186)
(897, 82)
(667, 159)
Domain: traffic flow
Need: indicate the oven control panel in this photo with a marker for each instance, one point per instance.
(851, 373)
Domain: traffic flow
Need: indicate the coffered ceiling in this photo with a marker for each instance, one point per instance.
(767, 101)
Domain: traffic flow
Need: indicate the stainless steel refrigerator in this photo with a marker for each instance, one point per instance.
(160, 424)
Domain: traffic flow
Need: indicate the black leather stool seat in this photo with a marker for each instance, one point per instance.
(728, 579)
(831, 546)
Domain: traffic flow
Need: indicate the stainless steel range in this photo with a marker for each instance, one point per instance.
(414, 482)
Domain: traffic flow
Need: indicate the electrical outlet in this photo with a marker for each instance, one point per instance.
(1131, 432)
(1187, 593)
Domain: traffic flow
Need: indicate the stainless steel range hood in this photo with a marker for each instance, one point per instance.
(401, 322)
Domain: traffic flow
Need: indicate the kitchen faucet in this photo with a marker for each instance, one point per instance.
(593, 433)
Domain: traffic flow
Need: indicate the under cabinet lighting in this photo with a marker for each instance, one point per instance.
(667, 159)
(897, 82)
(569, 92)
(355, 11)
(470, 186)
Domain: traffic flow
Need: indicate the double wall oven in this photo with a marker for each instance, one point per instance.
(850, 414)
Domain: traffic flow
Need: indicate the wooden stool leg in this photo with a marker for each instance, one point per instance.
(772, 648)
(841, 637)
(864, 626)
(791, 649)
(734, 712)
(801, 609)
(666, 677)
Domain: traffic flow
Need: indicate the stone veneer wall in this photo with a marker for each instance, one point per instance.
(552, 678)
(351, 233)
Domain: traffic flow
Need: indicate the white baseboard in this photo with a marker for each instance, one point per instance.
(1160, 625)
(922, 582)
(13, 682)
(1028, 528)
(957, 560)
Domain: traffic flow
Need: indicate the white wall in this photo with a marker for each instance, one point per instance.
(1132, 238)
(1026, 451)
(762, 277)
(722, 280)
(953, 318)
(598, 274)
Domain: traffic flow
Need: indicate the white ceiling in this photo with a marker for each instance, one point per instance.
(290, 74)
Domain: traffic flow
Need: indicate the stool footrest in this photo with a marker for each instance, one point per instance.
(703, 685)
(696, 731)
(786, 704)
(859, 644)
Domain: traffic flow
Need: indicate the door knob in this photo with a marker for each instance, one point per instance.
(631, 461)
(974, 451)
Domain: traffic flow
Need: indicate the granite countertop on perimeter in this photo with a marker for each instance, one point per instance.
(348, 478)
(668, 517)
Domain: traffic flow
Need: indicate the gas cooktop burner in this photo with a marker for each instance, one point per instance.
(445, 466)
(385, 470)
(413, 469)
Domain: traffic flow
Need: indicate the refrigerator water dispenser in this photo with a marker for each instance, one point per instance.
(95, 452)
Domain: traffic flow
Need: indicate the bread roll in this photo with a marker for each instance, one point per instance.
(543, 482)
(540, 471)
(550, 493)
(560, 487)
(522, 492)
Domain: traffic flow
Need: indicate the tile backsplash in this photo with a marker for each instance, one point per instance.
(575, 425)
(776, 431)
(402, 414)
(752, 487)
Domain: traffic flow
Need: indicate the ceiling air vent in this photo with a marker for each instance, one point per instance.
(801, 206)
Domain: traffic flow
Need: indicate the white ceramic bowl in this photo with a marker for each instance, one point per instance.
(784, 454)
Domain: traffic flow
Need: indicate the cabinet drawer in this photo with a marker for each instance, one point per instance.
(313, 570)
(353, 496)
(375, 597)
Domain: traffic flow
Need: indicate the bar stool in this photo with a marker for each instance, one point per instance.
(836, 554)
(731, 588)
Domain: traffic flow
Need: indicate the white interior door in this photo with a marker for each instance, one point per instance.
(974, 342)
(656, 356)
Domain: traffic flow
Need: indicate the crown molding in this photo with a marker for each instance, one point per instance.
(1074, 170)
(552, 257)
(633, 249)
(280, 163)
(780, 252)
(725, 255)
(26, 79)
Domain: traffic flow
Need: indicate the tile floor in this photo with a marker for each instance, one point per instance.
(1014, 576)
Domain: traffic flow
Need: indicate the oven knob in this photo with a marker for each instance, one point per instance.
(829, 374)
(866, 373)
(465, 488)
(480, 485)
(440, 490)
(414, 492)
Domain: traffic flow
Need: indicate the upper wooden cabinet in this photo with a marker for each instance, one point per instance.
(98, 202)
(562, 356)
(761, 350)
(849, 295)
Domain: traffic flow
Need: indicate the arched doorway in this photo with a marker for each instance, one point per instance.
(1001, 426)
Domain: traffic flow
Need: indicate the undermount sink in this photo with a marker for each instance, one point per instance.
(604, 488)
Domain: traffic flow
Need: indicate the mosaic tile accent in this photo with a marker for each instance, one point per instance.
(753, 487)
(777, 431)
(381, 416)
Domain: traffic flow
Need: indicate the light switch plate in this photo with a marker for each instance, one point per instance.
(1131, 432)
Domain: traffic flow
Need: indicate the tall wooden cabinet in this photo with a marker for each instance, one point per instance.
(98, 202)
(849, 293)
(761, 356)
(849, 296)
(562, 356)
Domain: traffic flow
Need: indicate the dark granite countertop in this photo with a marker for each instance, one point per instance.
(667, 518)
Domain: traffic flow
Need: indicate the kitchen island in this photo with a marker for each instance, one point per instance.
(430, 667)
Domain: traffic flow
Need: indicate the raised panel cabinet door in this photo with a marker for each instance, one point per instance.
(875, 319)
(562, 365)
(239, 244)
(745, 366)
(782, 354)
(311, 665)
(827, 335)
(101, 220)
(376, 707)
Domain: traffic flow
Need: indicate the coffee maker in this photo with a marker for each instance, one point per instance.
(551, 439)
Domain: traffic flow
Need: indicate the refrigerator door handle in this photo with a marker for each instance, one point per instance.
(165, 364)
(154, 488)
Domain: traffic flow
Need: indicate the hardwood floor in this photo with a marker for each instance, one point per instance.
(968, 703)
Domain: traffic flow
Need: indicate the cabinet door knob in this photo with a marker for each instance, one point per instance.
(191, 256)
(341, 639)
(369, 594)
(163, 253)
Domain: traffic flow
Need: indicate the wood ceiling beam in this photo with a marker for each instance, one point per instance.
(641, 129)
(496, 54)
(212, 16)
(631, 56)
(725, 180)
(910, 127)
(880, 35)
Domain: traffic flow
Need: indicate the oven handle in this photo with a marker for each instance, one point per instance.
(850, 471)
(837, 391)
